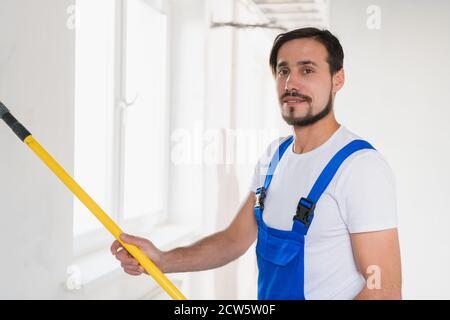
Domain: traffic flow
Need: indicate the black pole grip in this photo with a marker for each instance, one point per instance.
(3, 110)
(12, 122)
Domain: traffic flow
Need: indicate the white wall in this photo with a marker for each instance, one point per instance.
(397, 96)
(37, 85)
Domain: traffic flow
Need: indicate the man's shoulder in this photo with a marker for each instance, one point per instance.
(364, 157)
(365, 167)
(365, 164)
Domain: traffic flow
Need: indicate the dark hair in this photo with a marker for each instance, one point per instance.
(335, 57)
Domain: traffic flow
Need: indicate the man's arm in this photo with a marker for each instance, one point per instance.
(211, 252)
(377, 255)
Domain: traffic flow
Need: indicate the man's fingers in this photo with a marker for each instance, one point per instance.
(115, 247)
(128, 263)
(135, 268)
(131, 267)
(133, 273)
(137, 241)
(124, 257)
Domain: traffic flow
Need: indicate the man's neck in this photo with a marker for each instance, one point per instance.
(311, 137)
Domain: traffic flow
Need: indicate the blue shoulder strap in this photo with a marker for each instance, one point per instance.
(261, 192)
(276, 159)
(306, 205)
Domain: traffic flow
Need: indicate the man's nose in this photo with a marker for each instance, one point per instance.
(292, 83)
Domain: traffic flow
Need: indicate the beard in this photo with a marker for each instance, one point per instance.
(309, 118)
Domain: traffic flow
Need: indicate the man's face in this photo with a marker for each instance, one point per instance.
(304, 83)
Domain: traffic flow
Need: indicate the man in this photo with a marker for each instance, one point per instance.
(322, 204)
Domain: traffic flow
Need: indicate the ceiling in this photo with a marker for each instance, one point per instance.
(293, 14)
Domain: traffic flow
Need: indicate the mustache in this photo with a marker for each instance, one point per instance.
(294, 93)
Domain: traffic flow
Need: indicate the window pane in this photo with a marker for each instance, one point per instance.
(93, 101)
(145, 137)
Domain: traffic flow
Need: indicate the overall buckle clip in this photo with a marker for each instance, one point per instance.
(305, 208)
(260, 196)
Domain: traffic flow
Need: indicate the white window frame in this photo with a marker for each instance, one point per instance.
(97, 239)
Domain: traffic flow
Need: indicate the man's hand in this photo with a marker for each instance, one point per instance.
(130, 264)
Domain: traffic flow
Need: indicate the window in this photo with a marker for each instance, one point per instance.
(121, 114)
(144, 127)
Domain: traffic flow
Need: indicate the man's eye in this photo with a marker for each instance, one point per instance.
(283, 72)
(307, 71)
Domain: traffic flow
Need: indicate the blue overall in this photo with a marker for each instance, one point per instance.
(280, 253)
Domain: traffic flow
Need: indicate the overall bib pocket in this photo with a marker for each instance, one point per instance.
(282, 260)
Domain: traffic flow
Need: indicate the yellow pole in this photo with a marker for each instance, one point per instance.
(109, 224)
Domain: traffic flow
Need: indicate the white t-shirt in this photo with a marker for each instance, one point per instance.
(360, 198)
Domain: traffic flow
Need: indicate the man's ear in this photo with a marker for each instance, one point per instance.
(338, 80)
